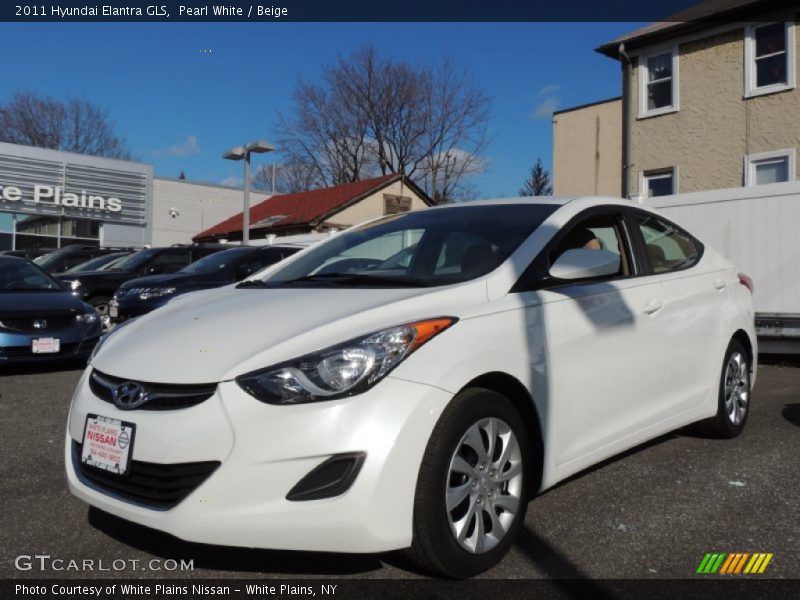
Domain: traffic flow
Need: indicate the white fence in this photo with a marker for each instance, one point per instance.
(756, 228)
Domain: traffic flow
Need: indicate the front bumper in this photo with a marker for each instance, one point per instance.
(264, 451)
(16, 347)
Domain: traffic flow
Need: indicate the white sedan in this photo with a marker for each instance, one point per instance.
(413, 382)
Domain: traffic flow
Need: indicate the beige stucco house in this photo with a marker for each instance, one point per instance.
(709, 101)
(587, 149)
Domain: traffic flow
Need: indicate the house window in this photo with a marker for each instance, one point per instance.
(769, 58)
(658, 83)
(770, 167)
(662, 182)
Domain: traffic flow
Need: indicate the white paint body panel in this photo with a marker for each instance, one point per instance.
(603, 374)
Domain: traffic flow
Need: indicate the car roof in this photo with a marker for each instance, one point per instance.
(546, 200)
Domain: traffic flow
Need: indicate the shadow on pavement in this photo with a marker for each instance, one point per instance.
(559, 568)
(37, 368)
(223, 558)
(791, 412)
(780, 360)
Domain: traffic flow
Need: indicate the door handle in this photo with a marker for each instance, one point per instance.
(653, 307)
(720, 284)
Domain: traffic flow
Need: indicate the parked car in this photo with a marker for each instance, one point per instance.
(63, 259)
(98, 262)
(139, 296)
(98, 287)
(39, 319)
(417, 405)
(28, 253)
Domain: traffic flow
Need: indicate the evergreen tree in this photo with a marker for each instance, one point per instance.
(538, 183)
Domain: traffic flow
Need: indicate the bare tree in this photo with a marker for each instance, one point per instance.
(74, 125)
(286, 178)
(374, 115)
(538, 183)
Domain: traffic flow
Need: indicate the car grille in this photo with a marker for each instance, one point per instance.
(156, 485)
(161, 396)
(46, 322)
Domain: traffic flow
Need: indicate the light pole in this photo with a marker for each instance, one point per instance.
(239, 153)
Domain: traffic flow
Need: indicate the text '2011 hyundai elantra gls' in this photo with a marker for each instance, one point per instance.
(411, 383)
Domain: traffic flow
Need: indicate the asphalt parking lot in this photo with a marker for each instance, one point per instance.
(651, 513)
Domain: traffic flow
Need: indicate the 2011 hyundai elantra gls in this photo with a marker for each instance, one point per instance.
(362, 397)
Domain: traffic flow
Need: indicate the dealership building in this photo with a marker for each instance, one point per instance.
(49, 199)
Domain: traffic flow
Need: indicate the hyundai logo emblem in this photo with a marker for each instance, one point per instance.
(129, 395)
(40, 324)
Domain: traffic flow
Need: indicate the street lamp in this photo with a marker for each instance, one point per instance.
(239, 153)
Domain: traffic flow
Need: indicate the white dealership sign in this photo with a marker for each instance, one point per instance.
(49, 182)
(58, 197)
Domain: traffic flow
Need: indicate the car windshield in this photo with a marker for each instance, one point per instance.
(416, 249)
(47, 261)
(111, 265)
(22, 276)
(93, 264)
(219, 261)
(135, 260)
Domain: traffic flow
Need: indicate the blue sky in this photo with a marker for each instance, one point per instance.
(179, 108)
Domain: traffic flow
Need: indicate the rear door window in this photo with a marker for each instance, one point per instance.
(667, 247)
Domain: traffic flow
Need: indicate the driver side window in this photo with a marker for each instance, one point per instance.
(602, 232)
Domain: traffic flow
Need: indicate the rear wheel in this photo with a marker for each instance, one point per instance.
(471, 493)
(733, 404)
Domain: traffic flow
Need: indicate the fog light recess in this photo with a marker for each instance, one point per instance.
(331, 478)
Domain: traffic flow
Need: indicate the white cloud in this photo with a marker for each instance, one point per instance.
(232, 181)
(549, 90)
(546, 108)
(188, 147)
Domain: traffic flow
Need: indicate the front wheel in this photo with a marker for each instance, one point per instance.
(471, 493)
(100, 304)
(733, 403)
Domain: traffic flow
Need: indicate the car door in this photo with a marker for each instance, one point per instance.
(606, 345)
(693, 306)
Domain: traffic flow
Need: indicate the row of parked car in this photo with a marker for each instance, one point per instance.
(59, 304)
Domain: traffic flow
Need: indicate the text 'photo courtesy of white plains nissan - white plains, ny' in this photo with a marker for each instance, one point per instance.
(410, 384)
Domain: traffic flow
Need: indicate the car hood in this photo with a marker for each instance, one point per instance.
(216, 335)
(26, 303)
(96, 275)
(173, 279)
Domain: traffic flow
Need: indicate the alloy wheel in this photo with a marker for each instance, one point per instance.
(737, 388)
(484, 485)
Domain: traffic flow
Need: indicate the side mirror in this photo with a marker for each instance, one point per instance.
(243, 271)
(583, 263)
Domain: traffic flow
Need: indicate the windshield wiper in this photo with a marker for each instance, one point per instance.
(355, 278)
(252, 283)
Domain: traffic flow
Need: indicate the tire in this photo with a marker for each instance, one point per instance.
(452, 465)
(100, 304)
(733, 397)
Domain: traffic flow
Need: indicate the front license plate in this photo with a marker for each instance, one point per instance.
(108, 444)
(46, 346)
(113, 311)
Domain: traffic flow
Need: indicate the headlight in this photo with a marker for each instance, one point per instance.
(148, 293)
(105, 337)
(89, 317)
(342, 370)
